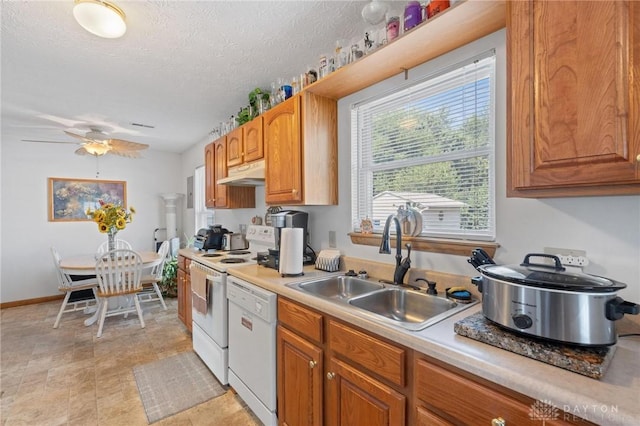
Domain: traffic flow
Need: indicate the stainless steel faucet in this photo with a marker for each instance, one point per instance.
(402, 266)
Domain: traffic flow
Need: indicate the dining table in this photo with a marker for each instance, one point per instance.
(86, 265)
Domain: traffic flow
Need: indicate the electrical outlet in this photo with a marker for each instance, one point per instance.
(569, 257)
(332, 239)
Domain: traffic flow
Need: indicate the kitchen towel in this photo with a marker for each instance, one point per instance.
(291, 251)
(199, 289)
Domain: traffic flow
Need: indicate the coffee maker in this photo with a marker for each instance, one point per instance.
(287, 219)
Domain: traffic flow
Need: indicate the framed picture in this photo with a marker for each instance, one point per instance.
(69, 199)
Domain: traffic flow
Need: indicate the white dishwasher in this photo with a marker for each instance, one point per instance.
(252, 347)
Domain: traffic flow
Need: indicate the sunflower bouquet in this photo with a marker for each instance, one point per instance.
(111, 217)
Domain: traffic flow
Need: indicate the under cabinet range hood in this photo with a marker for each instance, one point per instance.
(251, 174)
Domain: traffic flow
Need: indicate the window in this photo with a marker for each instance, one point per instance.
(203, 216)
(429, 149)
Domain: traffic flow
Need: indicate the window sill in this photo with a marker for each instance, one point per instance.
(436, 245)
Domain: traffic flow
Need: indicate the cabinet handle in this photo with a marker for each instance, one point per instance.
(498, 422)
(294, 191)
(312, 364)
(638, 158)
(331, 375)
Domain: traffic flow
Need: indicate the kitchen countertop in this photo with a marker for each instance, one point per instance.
(612, 400)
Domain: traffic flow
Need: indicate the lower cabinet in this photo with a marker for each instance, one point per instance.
(447, 396)
(332, 373)
(300, 379)
(347, 378)
(184, 291)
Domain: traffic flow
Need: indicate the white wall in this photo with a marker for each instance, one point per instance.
(608, 228)
(26, 234)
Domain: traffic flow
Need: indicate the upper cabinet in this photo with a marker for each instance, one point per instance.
(209, 182)
(573, 106)
(221, 196)
(301, 151)
(244, 144)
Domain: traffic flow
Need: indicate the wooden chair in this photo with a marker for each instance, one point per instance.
(120, 244)
(118, 273)
(151, 291)
(68, 286)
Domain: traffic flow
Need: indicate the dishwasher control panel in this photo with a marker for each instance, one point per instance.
(253, 299)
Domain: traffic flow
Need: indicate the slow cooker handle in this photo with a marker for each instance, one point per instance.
(477, 281)
(617, 307)
(558, 265)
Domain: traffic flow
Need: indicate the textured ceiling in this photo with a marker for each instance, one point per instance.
(182, 66)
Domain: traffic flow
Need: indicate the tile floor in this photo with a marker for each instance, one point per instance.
(67, 376)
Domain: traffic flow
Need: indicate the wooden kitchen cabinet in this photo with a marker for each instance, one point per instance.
(224, 197)
(245, 143)
(364, 380)
(184, 291)
(210, 184)
(300, 365)
(445, 395)
(574, 104)
(234, 147)
(300, 380)
(301, 151)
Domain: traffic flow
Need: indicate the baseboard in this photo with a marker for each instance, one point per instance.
(30, 301)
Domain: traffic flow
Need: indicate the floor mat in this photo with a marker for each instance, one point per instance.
(174, 384)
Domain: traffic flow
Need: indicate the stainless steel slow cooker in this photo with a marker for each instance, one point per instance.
(547, 301)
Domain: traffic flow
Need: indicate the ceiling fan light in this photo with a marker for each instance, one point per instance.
(96, 148)
(100, 18)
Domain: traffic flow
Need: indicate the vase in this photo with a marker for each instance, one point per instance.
(112, 241)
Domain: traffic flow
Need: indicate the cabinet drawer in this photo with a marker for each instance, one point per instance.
(379, 357)
(466, 400)
(182, 262)
(300, 319)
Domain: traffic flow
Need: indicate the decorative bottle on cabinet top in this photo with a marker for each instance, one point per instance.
(412, 15)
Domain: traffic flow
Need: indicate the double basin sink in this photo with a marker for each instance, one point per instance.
(409, 309)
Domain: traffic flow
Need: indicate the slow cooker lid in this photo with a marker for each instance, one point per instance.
(551, 276)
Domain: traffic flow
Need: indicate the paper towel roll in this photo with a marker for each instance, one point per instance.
(291, 251)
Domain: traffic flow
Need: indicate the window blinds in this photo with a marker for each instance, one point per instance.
(429, 146)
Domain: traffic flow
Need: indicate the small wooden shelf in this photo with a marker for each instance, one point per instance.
(437, 245)
(458, 25)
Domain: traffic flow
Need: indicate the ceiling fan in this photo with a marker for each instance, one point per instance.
(97, 143)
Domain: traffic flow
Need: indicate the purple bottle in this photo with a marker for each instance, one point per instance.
(412, 15)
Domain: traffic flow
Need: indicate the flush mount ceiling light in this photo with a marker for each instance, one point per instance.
(101, 18)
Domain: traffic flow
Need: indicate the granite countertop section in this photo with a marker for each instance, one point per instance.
(612, 400)
(591, 362)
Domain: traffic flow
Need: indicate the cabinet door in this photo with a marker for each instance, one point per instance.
(181, 295)
(355, 399)
(235, 147)
(424, 417)
(573, 104)
(252, 135)
(299, 381)
(220, 171)
(210, 184)
(283, 153)
(187, 301)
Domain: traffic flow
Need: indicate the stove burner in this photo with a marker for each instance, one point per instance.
(238, 252)
(234, 260)
(211, 255)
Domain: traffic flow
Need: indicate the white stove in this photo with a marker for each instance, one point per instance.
(210, 330)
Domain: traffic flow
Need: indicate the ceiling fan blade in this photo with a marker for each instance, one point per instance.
(39, 141)
(82, 138)
(128, 154)
(123, 145)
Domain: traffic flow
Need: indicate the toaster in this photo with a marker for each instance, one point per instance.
(233, 241)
